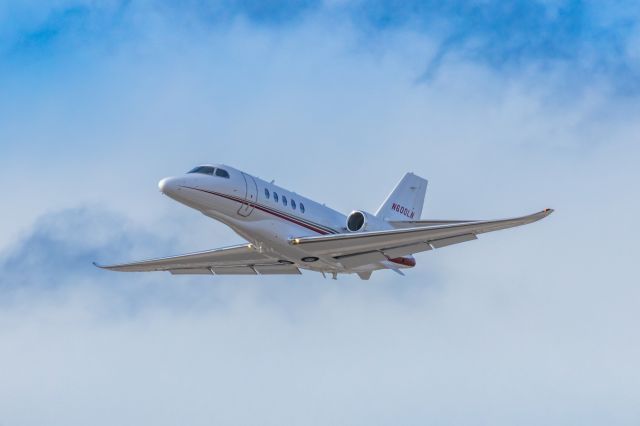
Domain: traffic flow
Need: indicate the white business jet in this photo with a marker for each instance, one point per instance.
(287, 232)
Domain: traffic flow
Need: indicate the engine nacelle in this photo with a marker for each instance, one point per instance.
(359, 221)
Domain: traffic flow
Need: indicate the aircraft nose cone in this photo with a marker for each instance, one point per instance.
(167, 186)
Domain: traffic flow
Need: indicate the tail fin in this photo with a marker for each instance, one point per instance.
(406, 200)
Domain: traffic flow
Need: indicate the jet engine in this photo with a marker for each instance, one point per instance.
(359, 221)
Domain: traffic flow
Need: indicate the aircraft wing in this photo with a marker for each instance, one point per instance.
(375, 246)
(423, 223)
(237, 260)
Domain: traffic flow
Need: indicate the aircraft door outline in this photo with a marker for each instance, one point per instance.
(251, 195)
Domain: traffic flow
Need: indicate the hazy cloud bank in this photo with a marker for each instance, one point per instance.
(507, 329)
(527, 326)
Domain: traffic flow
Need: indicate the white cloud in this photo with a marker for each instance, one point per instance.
(527, 326)
(487, 353)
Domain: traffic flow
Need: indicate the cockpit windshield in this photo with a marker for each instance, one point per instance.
(211, 171)
(205, 170)
(222, 173)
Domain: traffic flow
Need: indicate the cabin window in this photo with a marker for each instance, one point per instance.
(275, 196)
(205, 170)
(302, 207)
(266, 193)
(284, 200)
(293, 204)
(222, 173)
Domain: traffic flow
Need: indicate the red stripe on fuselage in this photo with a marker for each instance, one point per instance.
(405, 261)
(266, 210)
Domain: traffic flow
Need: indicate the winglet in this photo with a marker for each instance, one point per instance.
(538, 216)
(105, 267)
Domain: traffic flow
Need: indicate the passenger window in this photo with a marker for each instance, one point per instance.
(222, 173)
(293, 204)
(266, 193)
(275, 197)
(205, 170)
(302, 207)
(284, 200)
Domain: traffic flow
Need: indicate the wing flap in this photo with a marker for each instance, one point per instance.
(406, 250)
(234, 270)
(275, 269)
(339, 245)
(282, 269)
(192, 271)
(443, 242)
(354, 260)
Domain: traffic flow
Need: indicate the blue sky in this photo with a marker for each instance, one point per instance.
(505, 107)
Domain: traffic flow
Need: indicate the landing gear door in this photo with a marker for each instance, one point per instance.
(251, 196)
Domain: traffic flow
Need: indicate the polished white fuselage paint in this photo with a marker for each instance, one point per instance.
(240, 202)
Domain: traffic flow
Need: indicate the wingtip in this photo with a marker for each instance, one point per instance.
(547, 211)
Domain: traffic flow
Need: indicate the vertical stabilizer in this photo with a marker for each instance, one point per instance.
(406, 200)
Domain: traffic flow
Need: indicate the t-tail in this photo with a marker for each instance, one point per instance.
(405, 201)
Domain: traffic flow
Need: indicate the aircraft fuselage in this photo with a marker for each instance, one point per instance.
(266, 215)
